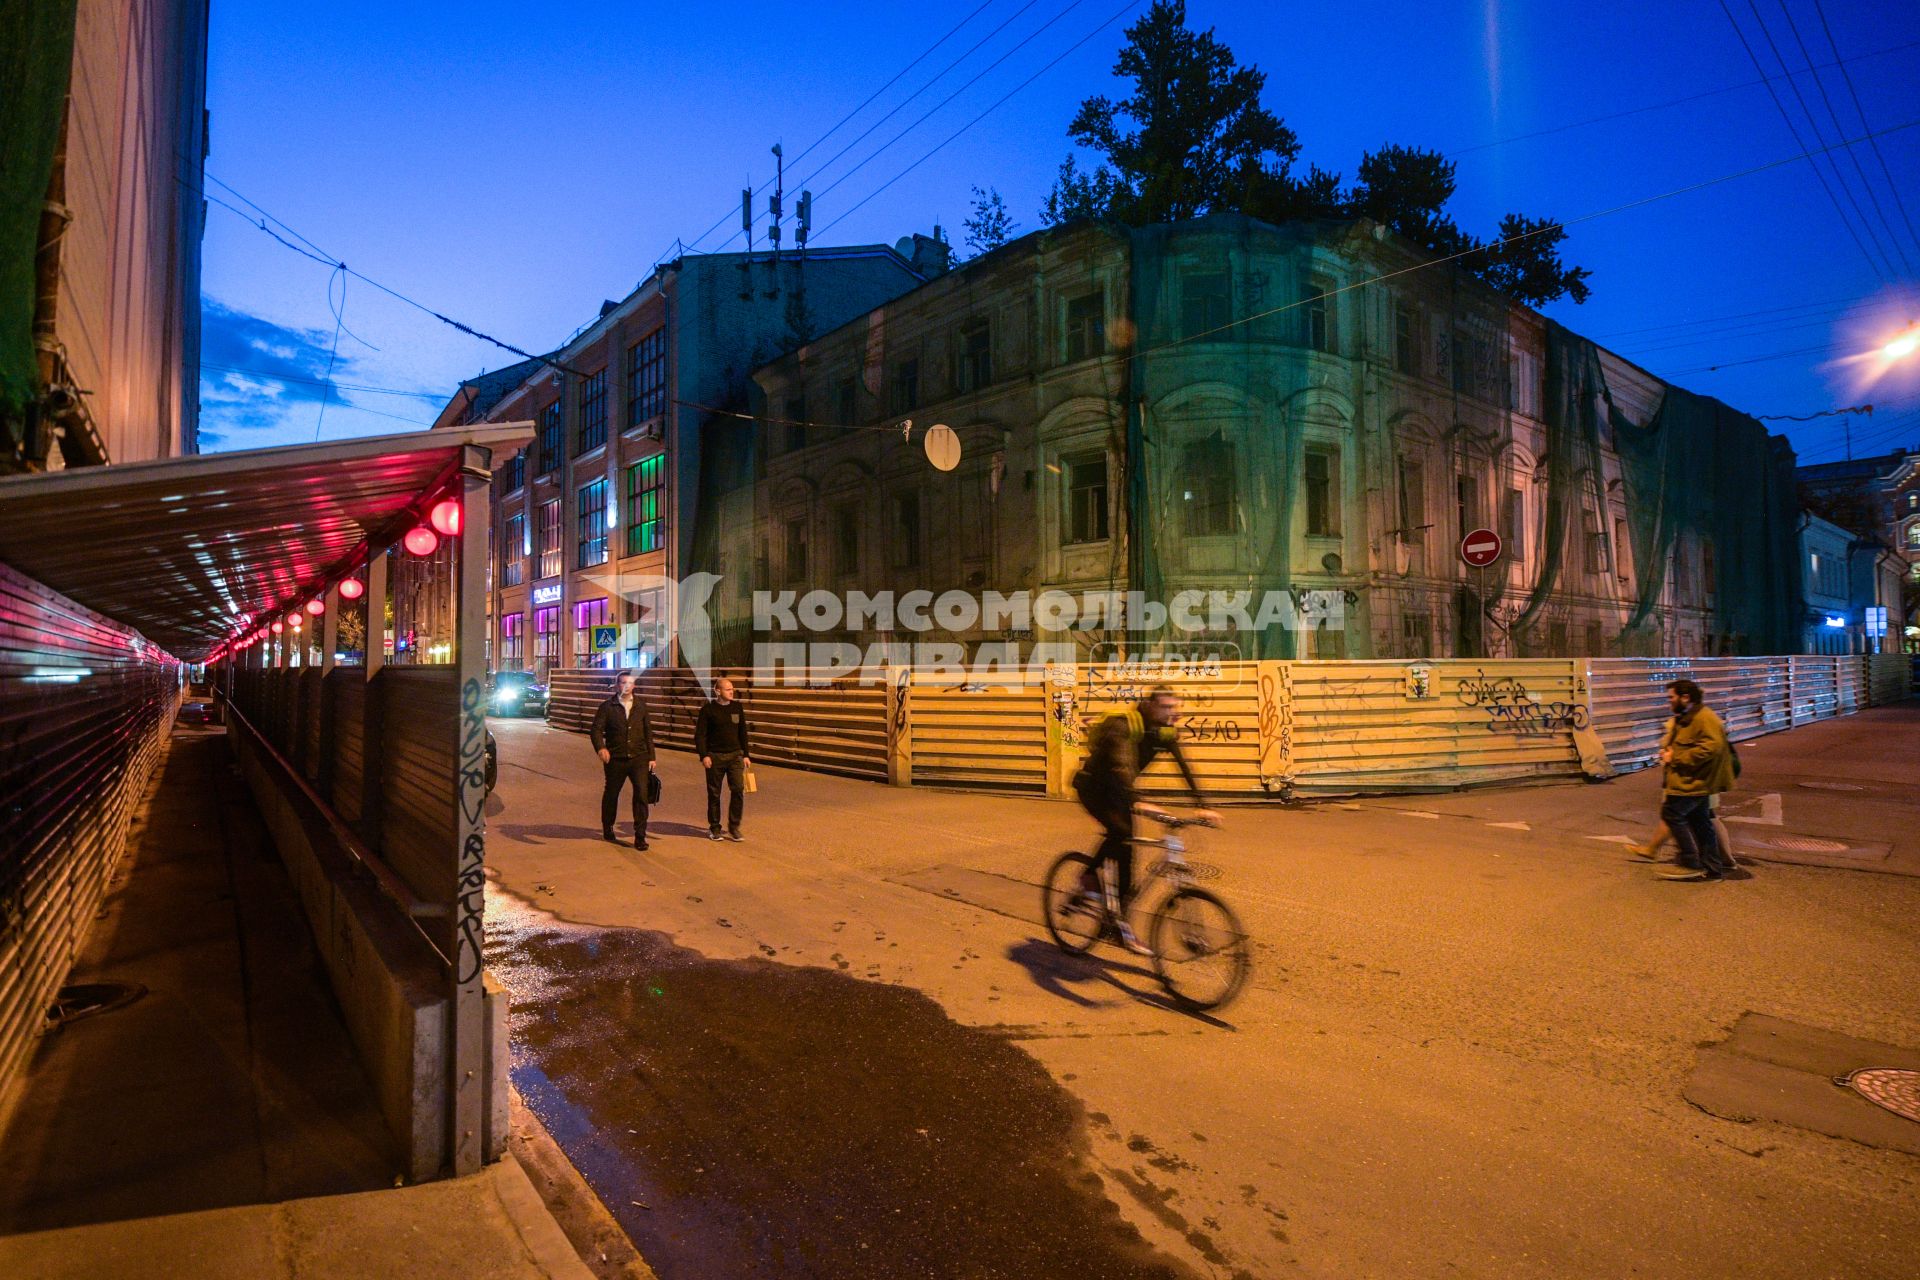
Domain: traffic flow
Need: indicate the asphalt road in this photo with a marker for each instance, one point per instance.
(845, 1048)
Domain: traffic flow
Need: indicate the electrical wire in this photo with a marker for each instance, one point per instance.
(339, 323)
(437, 397)
(995, 106)
(1794, 129)
(924, 55)
(1847, 78)
(1663, 106)
(1853, 158)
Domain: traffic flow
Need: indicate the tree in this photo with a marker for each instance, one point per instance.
(1199, 137)
(991, 225)
(1200, 142)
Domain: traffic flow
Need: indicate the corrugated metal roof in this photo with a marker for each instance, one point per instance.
(178, 548)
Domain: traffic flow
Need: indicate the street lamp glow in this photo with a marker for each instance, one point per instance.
(1903, 346)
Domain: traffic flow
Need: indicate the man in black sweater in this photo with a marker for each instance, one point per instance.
(720, 740)
(623, 738)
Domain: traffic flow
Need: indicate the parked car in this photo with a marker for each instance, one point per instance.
(515, 693)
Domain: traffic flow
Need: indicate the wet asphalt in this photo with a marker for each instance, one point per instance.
(750, 1118)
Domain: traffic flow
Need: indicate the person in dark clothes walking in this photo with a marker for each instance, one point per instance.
(720, 740)
(623, 737)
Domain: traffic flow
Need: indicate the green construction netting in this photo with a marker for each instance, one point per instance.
(36, 61)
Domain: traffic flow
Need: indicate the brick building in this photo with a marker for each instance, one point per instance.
(1878, 498)
(593, 521)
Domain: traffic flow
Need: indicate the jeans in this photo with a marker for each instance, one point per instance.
(620, 772)
(1115, 816)
(730, 767)
(1690, 818)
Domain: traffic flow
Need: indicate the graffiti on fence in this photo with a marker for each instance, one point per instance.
(1210, 729)
(471, 890)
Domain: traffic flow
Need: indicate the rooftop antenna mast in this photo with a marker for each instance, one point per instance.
(774, 201)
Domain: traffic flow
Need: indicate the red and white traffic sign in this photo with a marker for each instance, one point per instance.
(1480, 548)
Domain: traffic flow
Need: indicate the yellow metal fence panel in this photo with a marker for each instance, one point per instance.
(1219, 726)
(986, 737)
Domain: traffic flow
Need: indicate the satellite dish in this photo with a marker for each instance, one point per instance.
(942, 444)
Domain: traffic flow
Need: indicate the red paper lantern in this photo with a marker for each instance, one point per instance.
(350, 589)
(420, 540)
(316, 607)
(445, 517)
(277, 628)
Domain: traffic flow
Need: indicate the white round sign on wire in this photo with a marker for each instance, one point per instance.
(942, 444)
(1480, 548)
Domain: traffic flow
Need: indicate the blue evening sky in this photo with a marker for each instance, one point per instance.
(512, 164)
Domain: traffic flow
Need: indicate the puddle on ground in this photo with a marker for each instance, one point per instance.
(747, 1118)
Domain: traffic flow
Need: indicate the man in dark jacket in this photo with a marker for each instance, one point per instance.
(1123, 743)
(623, 738)
(720, 740)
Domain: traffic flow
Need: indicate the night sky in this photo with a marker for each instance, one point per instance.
(513, 165)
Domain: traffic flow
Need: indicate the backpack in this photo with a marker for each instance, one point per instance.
(1735, 753)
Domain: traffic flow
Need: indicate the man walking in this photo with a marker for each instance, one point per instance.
(1698, 765)
(623, 737)
(720, 740)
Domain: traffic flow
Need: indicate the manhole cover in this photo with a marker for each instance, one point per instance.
(1897, 1091)
(1805, 844)
(1833, 786)
(85, 999)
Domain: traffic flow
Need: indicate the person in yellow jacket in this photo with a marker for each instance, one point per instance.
(1698, 764)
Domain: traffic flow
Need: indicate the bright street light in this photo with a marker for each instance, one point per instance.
(1904, 345)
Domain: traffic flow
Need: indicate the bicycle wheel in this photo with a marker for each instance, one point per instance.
(1200, 952)
(1075, 925)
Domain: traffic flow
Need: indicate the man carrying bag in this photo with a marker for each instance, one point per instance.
(623, 738)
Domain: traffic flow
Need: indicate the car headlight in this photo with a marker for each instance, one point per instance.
(508, 695)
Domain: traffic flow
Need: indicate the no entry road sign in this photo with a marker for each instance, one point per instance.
(1480, 548)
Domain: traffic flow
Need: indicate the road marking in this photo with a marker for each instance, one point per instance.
(1511, 826)
(1417, 813)
(1615, 839)
(1771, 811)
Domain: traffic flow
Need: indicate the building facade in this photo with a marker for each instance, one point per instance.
(1853, 587)
(593, 521)
(100, 232)
(1226, 405)
(1879, 496)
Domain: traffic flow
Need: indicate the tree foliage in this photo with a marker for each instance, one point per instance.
(991, 224)
(1192, 138)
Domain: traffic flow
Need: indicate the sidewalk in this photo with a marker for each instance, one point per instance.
(219, 1123)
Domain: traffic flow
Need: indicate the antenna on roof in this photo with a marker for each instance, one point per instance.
(774, 201)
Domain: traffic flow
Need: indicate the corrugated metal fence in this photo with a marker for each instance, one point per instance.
(85, 707)
(1254, 729)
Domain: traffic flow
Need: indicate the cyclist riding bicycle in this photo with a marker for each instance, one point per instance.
(1122, 745)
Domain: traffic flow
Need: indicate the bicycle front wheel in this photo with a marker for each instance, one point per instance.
(1200, 952)
(1074, 922)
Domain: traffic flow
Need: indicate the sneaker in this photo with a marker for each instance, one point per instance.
(640, 842)
(714, 834)
(1131, 943)
(1679, 872)
(606, 833)
(735, 836)
(1644, 852)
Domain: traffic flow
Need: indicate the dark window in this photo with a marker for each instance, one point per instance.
(973, 368)
(846, 402)
(903, 391)
(1416, 635)
(796, 550)
(1707, 580)
(513, 476)
(1595, 541)
(1406, 346)
(550, 420)
(1596, 646)
(1619, 543)
(1087, 500)
(1466, 504)
(549, 546)
(1512, 525)
(1207, 495)
(1323, 492)
(1318, 313)
(1086, 326)
(513, 550)
(546, 638)
(1413, 501)
(906, 531)
(593, 411)
(846, 541)
(1206, 303)
(646, 490)
(591, 525)
(647, 378)
(795, 425)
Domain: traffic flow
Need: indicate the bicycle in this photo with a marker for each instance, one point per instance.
(1200, 953)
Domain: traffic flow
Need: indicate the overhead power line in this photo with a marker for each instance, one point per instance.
(437, 397)
(1847, 77)
(1878, 268)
